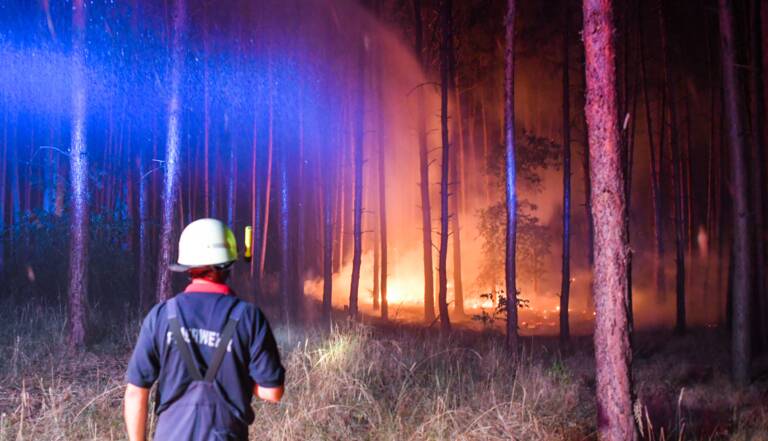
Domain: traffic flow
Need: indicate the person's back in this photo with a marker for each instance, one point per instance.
(209, 352)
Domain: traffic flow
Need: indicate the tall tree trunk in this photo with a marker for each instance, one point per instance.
(457, 153)
(287, 262)
(588, 203)
(565, 283)
(231, 177)
(658, 261)
(741, 234)
(376, 259)
(445, 83)
(206, 119)
(613, 354)
(268, 186)
(255, 213)
(382, 190)
(3, 180)
(78, 251)
(757, 179)
(300, 203)
(328, 227)
(510, 268)
(359, 130)
(145, 298)
(458, 284)
(677, 175)
(426, 209)
(486, 151)
(173, 140)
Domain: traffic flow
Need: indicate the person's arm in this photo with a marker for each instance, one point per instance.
(271, 394)
(136, 400)
(265, 368)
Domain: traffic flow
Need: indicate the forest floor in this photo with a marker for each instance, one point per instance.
(376, 381)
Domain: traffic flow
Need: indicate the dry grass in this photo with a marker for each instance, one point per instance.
(373, 382)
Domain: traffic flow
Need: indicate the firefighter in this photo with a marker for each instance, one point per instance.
(209, 351)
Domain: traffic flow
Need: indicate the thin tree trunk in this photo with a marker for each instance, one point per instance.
(3, 179)
(145, 298)
(232, 179)
(206, 118)
(757, 179)
(171, 181)
(565, 283)
(78, 255)
(613, 354)
(328, 227)
(445, 80)
(287, 263)
(255, 212)
(287, 273)
(658, 263)
(339, 208)
(382, 175)
(677, 177)
(458, 284)
(510, 268)
(486, 151)
(359, 127)
(426, 209)
(268, 186)
(741, 234)
(376, 261)
(300, 203)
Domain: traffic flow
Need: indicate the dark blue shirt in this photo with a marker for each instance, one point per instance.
(252, 357)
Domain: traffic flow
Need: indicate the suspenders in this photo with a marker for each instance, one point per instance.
(186, 353)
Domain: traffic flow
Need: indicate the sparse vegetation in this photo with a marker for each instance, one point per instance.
(385, 382)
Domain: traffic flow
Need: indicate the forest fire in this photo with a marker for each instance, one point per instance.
(397, 218)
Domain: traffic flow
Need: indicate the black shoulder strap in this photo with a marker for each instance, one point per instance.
(226, 337)
(181, 344)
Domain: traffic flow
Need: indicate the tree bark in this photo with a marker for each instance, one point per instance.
(458, 284)
(206, 119)
(287, 262)
(613, 354)
(740, 210)
(232, 178)
(588, 204)
(677, 176)
(382, 176)
(255, 213)
(510, 267)
(359, 127)
(757, 179)
(171, 181)
(328, 227)
(300, 204)
(658, 261)
(3, 177)
(445, 80)
(78, 252)
(268, 186)
(426, 209)
(565, 283)
(145, 299)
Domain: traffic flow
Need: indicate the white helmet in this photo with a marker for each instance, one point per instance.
(205, 242)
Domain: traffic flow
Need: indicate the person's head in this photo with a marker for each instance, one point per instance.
(207, 249)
